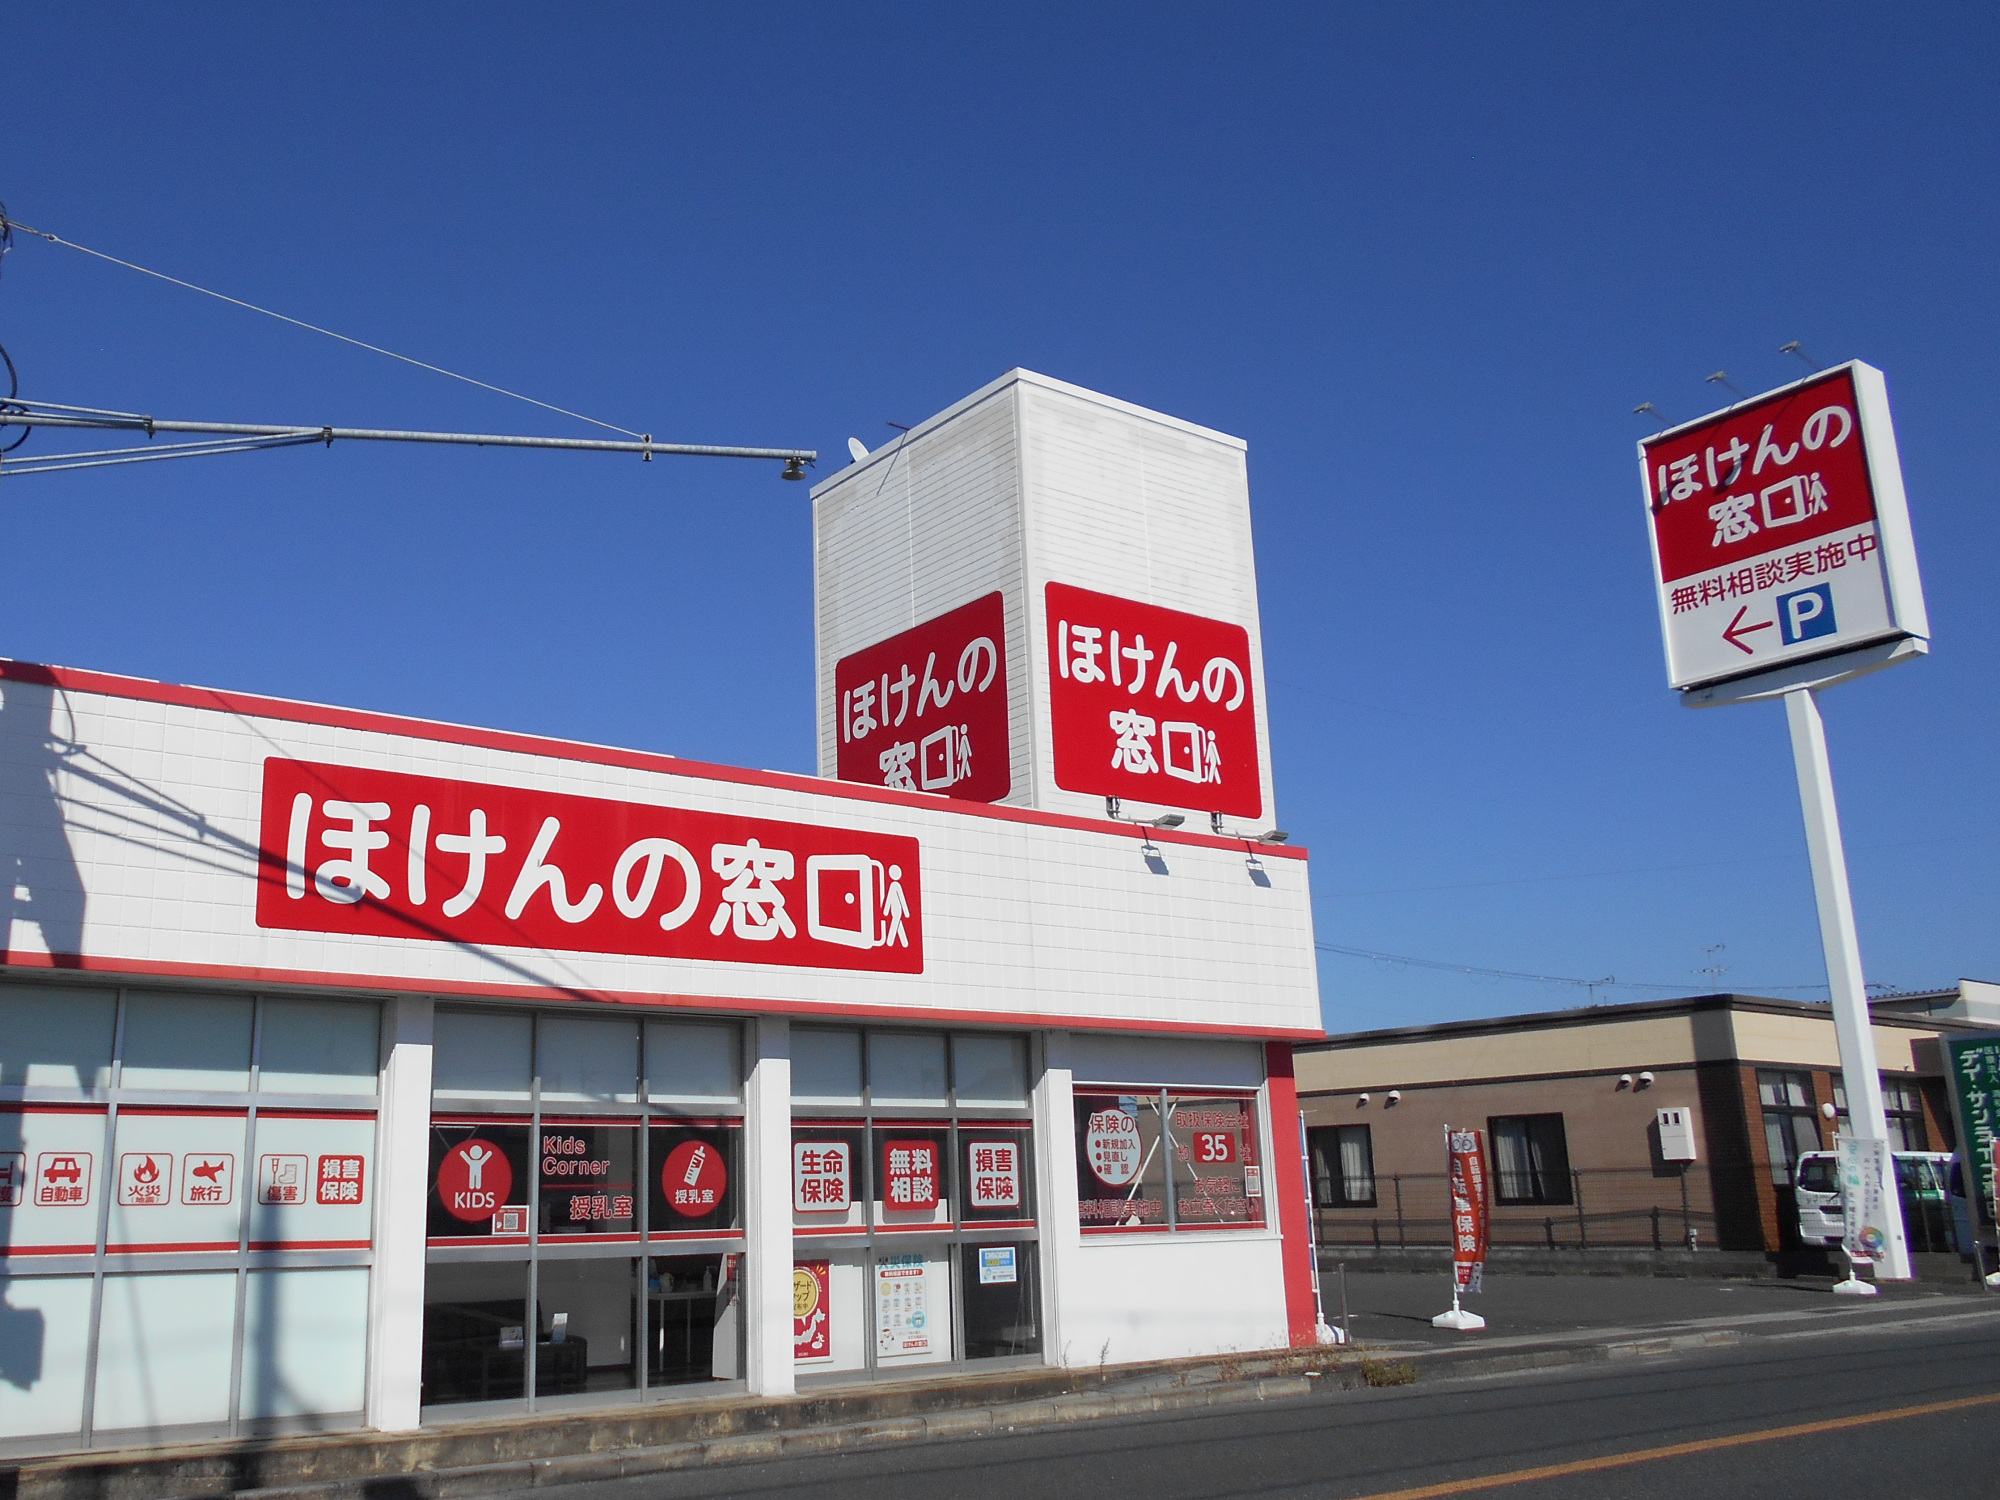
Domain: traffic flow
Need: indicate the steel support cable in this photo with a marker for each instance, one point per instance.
(54, 239)
(62, 463)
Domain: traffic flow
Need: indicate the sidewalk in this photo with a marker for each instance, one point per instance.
(1534, 1322)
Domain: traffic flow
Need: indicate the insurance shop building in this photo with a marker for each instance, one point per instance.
(363, 1071)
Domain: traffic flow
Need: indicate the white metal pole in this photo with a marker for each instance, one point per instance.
(1851, 1026)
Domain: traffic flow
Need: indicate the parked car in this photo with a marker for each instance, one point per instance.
(1922, 1183)
(1961, 1218)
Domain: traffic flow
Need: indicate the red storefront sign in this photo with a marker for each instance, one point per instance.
(909, 1175)
(349, 850)
(926, 711)
(996, 1174)
(473, 1180)
(1151, 704)
(694, 1179)
(1468, 1207)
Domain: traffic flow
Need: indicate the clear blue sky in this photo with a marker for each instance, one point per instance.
(1424, 259)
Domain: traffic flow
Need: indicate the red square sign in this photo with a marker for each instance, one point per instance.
(926, 711)
(909, 1175)
(1152, 704)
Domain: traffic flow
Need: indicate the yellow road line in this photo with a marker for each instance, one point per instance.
(1678, 1450)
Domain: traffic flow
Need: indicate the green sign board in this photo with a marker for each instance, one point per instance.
(1975, 1088)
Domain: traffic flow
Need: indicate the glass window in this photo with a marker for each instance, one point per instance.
(1791, 1127)
(905, 1069)
(694, 1178)
(1002, 1308)
(305, 1341)
(1343, 1166)
(159, 1362)
(694, 1318)
(475, 1052)
(480, 1175)
(52, 1038)
(589, 1325)
(996, 1173)
(990, 1069)
(693, 1061)
(1530, 1159)
(589, 1178)
(318, 1047)
(588, 1059)
(44, 1339)
(1121, 1180)
(192, 1042)
(826, 1066)
(475, 1332)
(827, 1182)
(1218, 1176)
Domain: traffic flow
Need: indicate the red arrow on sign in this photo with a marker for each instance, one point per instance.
(1735, 629)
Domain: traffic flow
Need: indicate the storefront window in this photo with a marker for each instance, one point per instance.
(1163, 1160)
(911, 1183)
(1121, 1176)
(1001, 1298)
(632, 1134)
(826, 1066)
(996, 1174)
(905, 1069)
(243, 1147)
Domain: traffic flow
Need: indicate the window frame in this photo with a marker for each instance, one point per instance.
(1335, 1178)
(1550, 1186)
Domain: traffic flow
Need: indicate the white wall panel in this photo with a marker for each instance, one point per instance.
(1021, 919)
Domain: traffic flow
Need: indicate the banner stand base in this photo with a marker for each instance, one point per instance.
(1465, 1322)
(1855, 1287)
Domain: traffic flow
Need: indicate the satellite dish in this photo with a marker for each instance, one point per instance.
(854, 447)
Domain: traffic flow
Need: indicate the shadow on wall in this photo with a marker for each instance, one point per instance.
(41, 889)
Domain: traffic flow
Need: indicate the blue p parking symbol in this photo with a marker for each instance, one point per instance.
(1806, 615)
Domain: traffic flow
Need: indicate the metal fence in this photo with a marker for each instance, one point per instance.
(1609, 1206)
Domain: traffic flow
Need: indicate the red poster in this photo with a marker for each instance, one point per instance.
(1760, 478)
(694, 1179)
(926, 710)
(1151, 704)
(812, 1310)
(909, 1175)
(350, 850)
(1468, 1207)
(474, 1180)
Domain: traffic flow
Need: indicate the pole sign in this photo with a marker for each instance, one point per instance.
(1974, 1065)
(1779, 530)
(1864, 1167)
(1469, 1228)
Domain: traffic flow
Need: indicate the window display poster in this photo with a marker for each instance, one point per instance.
(812, 1311)
(996, 1265)
(995, 1174)
(903, 1324)
(175, 1175)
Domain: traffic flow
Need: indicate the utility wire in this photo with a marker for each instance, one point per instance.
(6, 225)
(1405, 961)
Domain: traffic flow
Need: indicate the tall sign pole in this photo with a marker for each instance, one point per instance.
(1784, 565)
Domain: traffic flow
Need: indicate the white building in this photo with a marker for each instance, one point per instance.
(358, 1070)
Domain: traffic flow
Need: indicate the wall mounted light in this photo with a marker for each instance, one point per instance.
(1828, 1111)
(1624, 1080)
(1361, 1099)
(1645, 1080)
(1395, 1096)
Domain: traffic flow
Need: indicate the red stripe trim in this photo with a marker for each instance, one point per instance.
(321, 979)
(309, 1244)
(1124, 1229)
(830, 1229)
(15, 1250)
(314, 1114)
(454, 1241)
(935, 1226)
(182, 1111)
(189, 1246)
(590, 1239)
(145, 691)
(23, 1108)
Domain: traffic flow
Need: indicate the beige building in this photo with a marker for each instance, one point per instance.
(1571, 1105)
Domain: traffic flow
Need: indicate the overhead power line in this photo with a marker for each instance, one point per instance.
(1404, 960)
(55, 239)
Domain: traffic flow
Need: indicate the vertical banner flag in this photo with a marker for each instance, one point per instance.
(1975, 1089)
(1864, 1167)
(1468, 1207)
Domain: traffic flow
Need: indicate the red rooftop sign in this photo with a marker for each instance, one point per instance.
(350, 850)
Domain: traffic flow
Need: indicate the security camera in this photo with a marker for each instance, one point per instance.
(1645, 1080)
(1395, 1096)
(1624, 1080)
(1360, 1098)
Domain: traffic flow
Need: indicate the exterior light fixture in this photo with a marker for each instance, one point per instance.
(1395, 1097)
(794, 469)
(1361, 1099)
(1645, 1080)
(1624, 1080)
(1169, 820)
(1215, 824)
(1273, 836)
(1828, 1111)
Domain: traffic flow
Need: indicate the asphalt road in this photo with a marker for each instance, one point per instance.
(1725, 1413)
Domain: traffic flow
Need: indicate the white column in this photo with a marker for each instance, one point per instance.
(1851, 1025)
(1055, 1191)
(767, 1209)
(402, 1189)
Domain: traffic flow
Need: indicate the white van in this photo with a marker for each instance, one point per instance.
(1921, 1183)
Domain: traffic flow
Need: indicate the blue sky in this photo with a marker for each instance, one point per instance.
(1424, 259)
